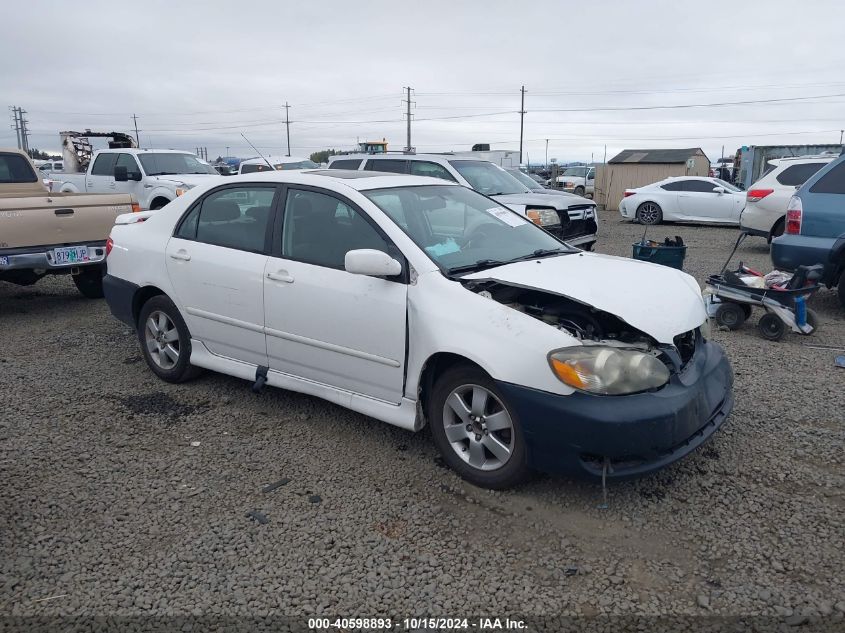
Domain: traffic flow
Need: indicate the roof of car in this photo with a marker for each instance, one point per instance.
(280, 160)
(358, 180)
(401, 156)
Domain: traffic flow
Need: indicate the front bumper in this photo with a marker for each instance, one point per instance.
(638, 434)
(41, 258)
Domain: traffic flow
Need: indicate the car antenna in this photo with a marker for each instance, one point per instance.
(257, 152)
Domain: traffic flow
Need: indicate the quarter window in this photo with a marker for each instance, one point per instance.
(426, 168)
(346, 163)
(677, 185)
(796, 175)
(392, 166)
(104, 165)
(320, 229)
(831, 182)
(236, 217)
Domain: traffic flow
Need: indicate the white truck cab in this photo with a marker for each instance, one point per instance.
(154, 177)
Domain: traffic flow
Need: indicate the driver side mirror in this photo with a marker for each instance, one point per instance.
(719, 190)
(370, 262)
(120, 174)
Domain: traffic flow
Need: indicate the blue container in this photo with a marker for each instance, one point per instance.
(672, 256)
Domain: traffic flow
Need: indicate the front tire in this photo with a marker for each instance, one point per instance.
(649, 213)
(165, 340)
(579, 191)
(89, 282)
(475, 430)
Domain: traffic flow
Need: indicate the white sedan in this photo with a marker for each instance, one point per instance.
(414, 301)
(684, 199)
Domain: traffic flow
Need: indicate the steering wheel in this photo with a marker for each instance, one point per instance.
(481, 234)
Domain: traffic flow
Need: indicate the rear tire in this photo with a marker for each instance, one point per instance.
(89, 282)
(730, 315)
(165, 340)
(463, 402)
(771, 327)
(777, 230)
(649, 213)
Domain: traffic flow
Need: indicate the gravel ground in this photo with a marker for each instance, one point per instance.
(121, 494)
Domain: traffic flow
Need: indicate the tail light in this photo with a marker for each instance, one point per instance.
(794, 212)
(628, 192)
(109, 246)
(136, 208)
(755, 195)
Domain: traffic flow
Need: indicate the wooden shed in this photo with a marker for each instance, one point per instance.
(633, 168)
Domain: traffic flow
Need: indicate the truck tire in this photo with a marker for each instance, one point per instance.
(158, 203)
(579, 191)
(89, 282)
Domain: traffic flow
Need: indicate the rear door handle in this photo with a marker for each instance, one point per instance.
(281, 275)
(63, 211)
(181, 255)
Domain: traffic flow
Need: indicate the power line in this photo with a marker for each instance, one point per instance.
(689, 105)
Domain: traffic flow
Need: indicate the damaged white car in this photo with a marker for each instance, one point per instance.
(412, 300)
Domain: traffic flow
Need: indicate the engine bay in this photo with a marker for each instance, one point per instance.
(582, 321)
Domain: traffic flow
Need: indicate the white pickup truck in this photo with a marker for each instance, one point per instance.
(154, 177)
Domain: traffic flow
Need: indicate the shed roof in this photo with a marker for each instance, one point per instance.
(670, 156)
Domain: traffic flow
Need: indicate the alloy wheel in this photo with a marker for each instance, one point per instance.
(649, 213)
(478, 427)
(162, 340)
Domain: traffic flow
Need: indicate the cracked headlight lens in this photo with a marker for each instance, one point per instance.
(608, 370)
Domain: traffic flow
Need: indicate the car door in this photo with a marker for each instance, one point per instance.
(101, 177)
(133, 171)
(216, 260)
(699, 202)
(323, 323)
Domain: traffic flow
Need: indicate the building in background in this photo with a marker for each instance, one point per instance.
(633, 168)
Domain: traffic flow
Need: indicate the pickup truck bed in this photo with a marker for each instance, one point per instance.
(44, 233)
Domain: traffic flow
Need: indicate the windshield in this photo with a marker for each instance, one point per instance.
(487, 178)
(728, 186)
(526, 180)
(161, 164)
(461, 230)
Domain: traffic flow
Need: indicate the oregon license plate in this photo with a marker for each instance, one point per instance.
(70, 255)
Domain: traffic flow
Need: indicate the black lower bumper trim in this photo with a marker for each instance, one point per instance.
(120, 295)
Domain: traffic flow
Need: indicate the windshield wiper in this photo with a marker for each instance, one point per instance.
(542, 252)
(164, 173)
(478, 265)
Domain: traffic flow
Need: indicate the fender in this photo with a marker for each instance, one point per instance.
(159, 191)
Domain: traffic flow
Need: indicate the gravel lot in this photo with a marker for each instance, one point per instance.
(121, 494)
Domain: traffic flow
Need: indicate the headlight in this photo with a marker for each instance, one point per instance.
(607, 370)
(543, 217)
(569, 184)
(183, 189)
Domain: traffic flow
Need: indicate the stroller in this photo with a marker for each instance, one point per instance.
(733, 293)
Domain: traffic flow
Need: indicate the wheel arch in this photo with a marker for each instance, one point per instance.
(142, 295)
(159, 200)
(434, 366)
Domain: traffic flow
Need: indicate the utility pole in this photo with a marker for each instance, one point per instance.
(408, 147)
(16, 125)
(840, 136)
(227, 152)
(546, 164)
(24, 131)
(137, 136)
(287, 124)
(521, 122)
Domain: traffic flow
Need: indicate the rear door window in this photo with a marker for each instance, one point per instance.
(427, 168)
(699, 186)
(234, 217)
(346, 163)
(796, 175)
(678, 185)
(392, 166)
(831, 182)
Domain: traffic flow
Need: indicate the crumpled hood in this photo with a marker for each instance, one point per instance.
(188, 179)
(658, 300)
(519, 201)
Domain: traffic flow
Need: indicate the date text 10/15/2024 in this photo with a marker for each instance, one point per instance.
(416, 624)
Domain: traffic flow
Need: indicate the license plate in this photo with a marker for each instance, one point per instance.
(70, 255)
(4, 261)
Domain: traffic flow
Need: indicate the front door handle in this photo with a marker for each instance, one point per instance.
(281, 275)
(181, 255)
(63, 211)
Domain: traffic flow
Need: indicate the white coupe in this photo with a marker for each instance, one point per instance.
(684, 199)
(415, 300)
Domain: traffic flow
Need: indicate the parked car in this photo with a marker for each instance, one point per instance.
(43, 233)
(815, 227)
(526, 179)
(578, 225)
(50, 166)
(580, 180)
(767, 199)
(278, 162)
(224, 170)
(413, 300)
(684, 199)
(154, 177)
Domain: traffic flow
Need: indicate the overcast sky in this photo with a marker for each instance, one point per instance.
(200, 73)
